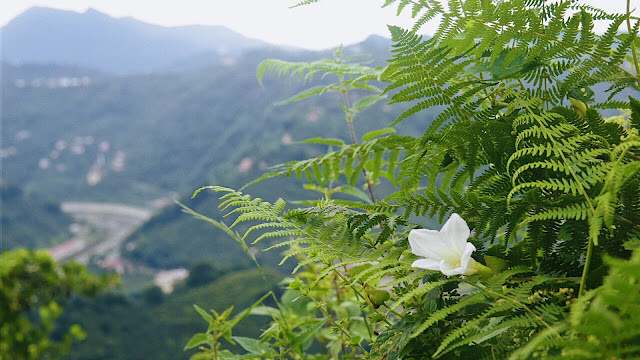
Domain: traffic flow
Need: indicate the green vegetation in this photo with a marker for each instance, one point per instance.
(171, 239)
(31, 221)
(520, 152)
(148, 136)
(33, 294)
(174, 132)
(115, 323)
(500, 123)
(132, 114)
(202, 274)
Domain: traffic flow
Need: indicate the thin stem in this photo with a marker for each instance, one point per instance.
(587, 260)
(633, 45)
(329, 317)
(392, 311)
(339, 301)
(352, 131)
(222, 226)
(358, 296)
(585, 269)
(349, 116)
(364, 297)
(626, 221)
(524, 88)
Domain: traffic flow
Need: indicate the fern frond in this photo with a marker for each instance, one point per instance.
(442, 314)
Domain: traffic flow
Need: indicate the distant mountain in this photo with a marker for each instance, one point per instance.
(124, 45)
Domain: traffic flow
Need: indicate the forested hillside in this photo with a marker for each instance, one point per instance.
(115, 323)
(31, 220)
(143, 139)
(139, 137)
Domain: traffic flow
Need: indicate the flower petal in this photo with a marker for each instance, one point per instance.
(449, 270)
(428, 243)
(466, 256)
(428, 264)
(456, 232)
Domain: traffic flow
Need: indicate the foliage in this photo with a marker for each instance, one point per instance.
(33, 293)
(114, 322)
(159, 121)
(202, 274)
(520, 149)
(153, 295)
(602, 325)
(31, 221)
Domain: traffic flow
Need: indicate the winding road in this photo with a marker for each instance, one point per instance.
(111, 224)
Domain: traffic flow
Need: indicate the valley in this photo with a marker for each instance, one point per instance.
(98, 235)
(99, 230)
(95, 152)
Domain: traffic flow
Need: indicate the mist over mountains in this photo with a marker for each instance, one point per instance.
(79, 132)
(97, 109)
(116, 45)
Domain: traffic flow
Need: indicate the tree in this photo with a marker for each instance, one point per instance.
(202, 274)
(33, 292)
(153, 295)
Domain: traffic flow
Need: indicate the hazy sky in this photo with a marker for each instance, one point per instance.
(269, 20)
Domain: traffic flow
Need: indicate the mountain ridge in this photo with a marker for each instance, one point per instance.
(119, 45)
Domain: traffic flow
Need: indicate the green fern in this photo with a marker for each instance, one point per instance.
(550, 190)
(604, 324)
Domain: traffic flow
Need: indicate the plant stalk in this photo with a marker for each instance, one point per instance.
(633, 43)
(352, 131)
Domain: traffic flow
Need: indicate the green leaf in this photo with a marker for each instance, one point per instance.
(632, 244)
(579, 106)
(253, 346)
(264, 311)
(496, 264)
(353, 191)
(208, 318)
(295, 284)
(197, 339)
(354, 271)
(582, 93)
(375, 133)
(367, 87)
(307, 334)
(316, 90)
(319, 140)
(392, 341)
(77, 332)
(365, 102)
(226, 313)
(248, 310)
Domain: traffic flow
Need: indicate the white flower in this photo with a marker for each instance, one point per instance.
(446, 250)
